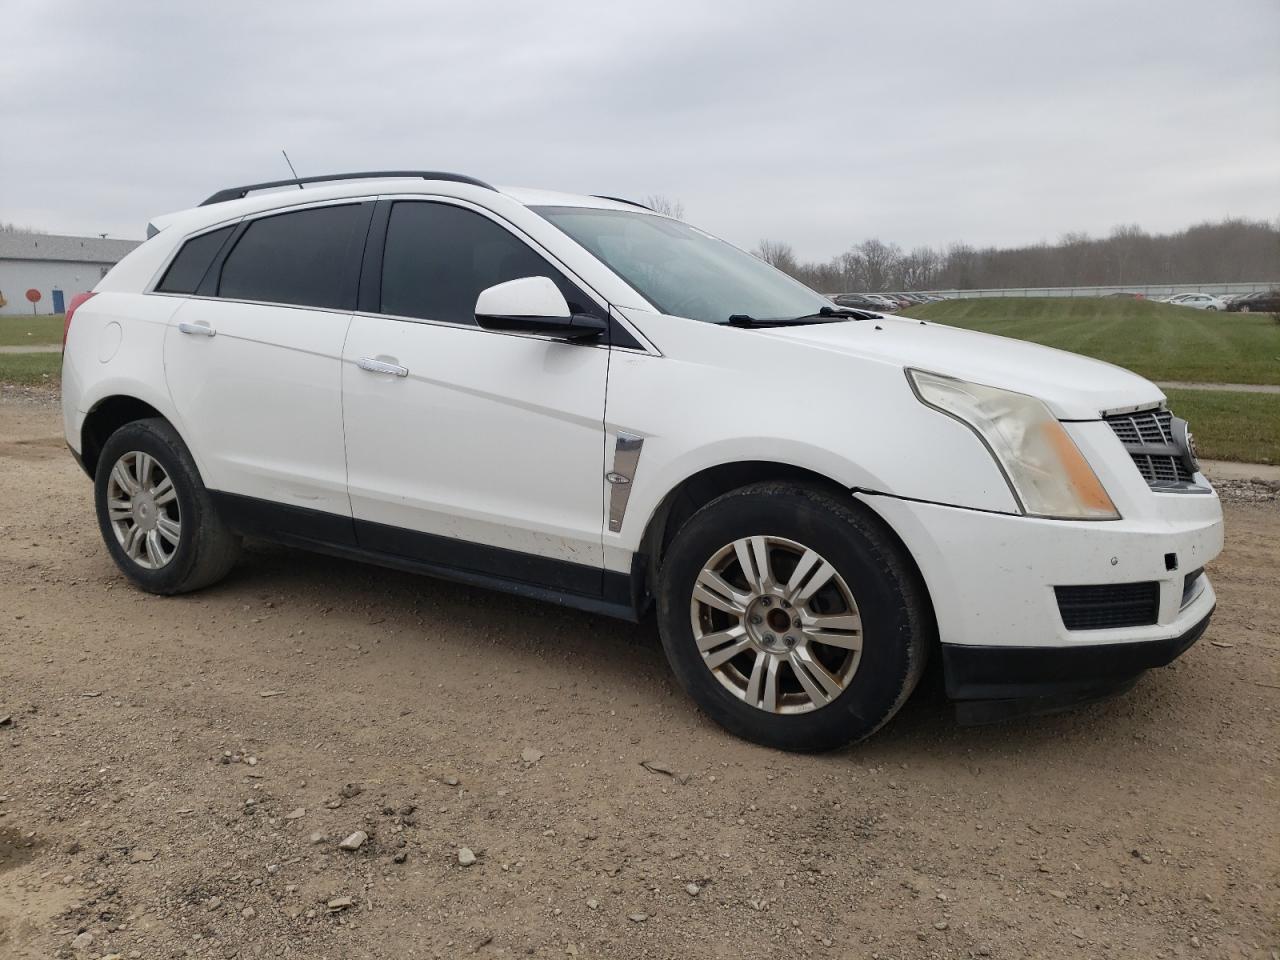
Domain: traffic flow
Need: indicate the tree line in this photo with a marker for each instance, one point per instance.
(1231, 250)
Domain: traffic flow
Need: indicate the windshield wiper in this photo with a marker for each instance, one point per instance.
(824, 315)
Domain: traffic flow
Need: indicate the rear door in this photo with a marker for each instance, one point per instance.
(480, 450)
(253, 362)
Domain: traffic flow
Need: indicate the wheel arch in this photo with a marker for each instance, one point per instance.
(106, 417)
(700, 488)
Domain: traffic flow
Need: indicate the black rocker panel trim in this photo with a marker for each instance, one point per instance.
(541, 578)
(278, 521)
(479, 558)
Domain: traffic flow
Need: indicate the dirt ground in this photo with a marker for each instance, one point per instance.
(176, 776)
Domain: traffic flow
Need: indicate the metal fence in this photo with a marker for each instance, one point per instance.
(1147, 290)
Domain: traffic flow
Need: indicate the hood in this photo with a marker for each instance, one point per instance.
(1073, 387)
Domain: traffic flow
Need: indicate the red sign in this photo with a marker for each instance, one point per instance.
(33, 295)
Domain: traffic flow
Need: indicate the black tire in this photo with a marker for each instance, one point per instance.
(897, 619)
(206, 548)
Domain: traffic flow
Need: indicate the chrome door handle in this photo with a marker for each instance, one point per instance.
(381, 366)
(202, 329)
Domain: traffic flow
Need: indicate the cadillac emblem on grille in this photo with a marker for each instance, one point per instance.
(1186, 444)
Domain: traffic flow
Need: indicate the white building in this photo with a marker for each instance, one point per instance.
(58, 267)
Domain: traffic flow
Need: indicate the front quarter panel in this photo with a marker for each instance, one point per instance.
(722, 395)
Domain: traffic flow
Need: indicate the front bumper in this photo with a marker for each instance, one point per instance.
(991, 576)
(1006, 649)
(995, 683)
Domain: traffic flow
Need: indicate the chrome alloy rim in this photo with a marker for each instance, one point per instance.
(143, 509)
(776, 624)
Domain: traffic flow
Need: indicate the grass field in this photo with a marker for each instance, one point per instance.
(31, 368)
(1154, 339)
(21, 331)
(1185, 345)
(1231, 426)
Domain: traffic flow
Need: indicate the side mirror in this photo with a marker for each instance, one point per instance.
(534, 305)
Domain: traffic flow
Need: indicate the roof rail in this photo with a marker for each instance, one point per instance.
(236, 193)
(630, 203)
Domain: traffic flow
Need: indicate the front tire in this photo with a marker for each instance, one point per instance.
(793, 617)
(156, 517)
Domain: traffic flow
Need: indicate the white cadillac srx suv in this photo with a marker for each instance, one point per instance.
(579, 400)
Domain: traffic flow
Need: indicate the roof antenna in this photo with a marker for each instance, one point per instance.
(291, 170)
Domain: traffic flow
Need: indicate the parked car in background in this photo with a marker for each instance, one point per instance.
(1266, 301)
(1198, 301)
(883, 302)
(855, 301)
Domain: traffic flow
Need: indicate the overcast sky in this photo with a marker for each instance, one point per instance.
(823, 123)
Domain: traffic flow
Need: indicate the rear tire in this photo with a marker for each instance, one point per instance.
(156, 517)
(852, 649)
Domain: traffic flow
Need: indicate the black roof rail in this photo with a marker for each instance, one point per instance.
(630, 203)
(237, 193)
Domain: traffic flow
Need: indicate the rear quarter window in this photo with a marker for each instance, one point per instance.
(192, 262)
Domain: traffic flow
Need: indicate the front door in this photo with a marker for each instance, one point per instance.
(470, 448)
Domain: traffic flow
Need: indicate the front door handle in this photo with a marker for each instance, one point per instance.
(381, 366)
(200, 329)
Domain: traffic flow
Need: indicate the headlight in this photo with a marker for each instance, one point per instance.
(1046, 471)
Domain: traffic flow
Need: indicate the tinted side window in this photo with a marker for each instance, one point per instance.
(439, 257)
(306, 258)
(189, 266)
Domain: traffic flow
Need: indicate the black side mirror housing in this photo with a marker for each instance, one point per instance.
(577, 326)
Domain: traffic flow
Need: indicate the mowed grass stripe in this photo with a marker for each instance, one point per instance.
(1159, 341)
(21, 331)
(1231, 426)
(30, 369)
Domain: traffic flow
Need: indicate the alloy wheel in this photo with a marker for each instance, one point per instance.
(142, 506)
(776, 624)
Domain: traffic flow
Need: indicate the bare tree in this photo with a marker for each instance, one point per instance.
(6, 227)
(1223, 252)
(872, 265)
(777, 254)
(665, 206)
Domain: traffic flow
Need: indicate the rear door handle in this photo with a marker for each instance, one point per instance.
(381, 366)
(200, 329)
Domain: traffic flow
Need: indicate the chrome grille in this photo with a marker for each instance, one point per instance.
(1149, 426)
(1148, 436)
(1161, 469)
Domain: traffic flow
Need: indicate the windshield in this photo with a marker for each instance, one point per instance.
(683, 271)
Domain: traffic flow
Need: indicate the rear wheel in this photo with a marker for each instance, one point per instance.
(792, 617)
(156, 517)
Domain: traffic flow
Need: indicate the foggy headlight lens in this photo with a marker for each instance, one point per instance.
(1049, 475)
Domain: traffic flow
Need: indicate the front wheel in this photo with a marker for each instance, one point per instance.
(792, 616)
(156, 516)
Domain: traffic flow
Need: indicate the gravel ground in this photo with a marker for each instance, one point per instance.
(178, 776)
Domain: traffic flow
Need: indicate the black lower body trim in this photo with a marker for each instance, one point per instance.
(994, 683)
(557, 581)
